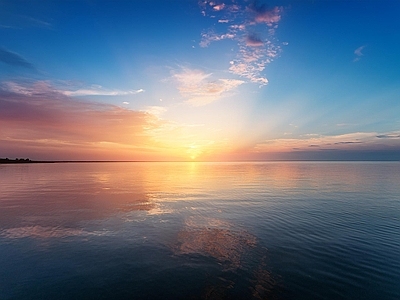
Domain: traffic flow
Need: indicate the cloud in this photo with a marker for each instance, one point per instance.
(93, 90)
(7, 27)
(96, 90)
(262, 14)
(250, 64)
(358, 53)
(14, 59)
(238, 21)
(219, 7)
(344, 142)
(239, 27)
(37, 22)
(389, 136)
(18, 21)
(155, 110)
(200, 88)
(40, 122)
(345, 124)
(207, 38)
(39, 117)
(254, 41)
(214, 6)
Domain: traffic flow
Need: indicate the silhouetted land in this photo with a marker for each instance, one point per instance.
(23, 161)
(28, 161)
(15, 161)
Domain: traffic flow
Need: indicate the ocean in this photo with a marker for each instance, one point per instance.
(200, 230)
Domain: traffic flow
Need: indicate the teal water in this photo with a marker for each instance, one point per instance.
(282, 230)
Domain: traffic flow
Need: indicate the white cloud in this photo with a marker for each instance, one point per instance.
(96, 90)
(207, 38)
(65, 89)
(200, 88)
(190, 78)
(155, 110)
(358, 53)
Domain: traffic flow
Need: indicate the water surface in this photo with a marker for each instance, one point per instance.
(284, 230)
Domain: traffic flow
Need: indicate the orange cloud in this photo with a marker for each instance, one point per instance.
(39, 119)
(41, 122)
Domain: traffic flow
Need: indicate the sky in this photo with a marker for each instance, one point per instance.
(200, 80)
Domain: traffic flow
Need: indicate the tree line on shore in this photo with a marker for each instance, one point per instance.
(17, 160)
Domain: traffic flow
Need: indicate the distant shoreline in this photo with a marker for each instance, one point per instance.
(28, 161)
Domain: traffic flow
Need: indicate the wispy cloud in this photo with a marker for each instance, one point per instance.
(349, 141)
(66, 89)
(200, 88)
(37, 22)
(7, 26)
(14, 59)
(358, 53)
(97, 90)
(208, 37)
(18, 21)
(395, 135)
(239, 21)
(155, 110)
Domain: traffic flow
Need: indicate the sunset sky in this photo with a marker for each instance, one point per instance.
(200, 80)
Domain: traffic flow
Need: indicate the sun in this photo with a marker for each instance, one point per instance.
(194, 151)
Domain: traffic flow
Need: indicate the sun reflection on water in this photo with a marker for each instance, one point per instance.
(196, 217)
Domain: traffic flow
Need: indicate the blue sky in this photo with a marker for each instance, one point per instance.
(206, 80)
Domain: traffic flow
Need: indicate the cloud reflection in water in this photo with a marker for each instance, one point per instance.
(234, 249)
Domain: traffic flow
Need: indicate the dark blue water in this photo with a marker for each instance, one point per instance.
(280, 230)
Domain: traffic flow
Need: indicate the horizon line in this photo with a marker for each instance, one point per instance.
(10, 161)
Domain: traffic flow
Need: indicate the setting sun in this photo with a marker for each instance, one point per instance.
(247, 80)
(199, 149)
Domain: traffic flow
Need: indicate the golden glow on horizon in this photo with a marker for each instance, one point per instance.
(77, 130)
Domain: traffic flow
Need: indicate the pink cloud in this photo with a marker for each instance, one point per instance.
(219, 7)
(244, 19)
(40, 118)
(254, 41)
(264, 15)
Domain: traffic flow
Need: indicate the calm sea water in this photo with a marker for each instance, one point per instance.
(283, 230)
